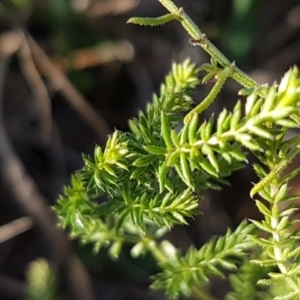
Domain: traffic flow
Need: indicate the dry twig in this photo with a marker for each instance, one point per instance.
(14, 228)
(26, 194)
(75, 99)
(38, 88)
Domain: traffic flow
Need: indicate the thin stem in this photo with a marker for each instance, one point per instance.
(200, 39)
(155, 250)
(222, 76)
(202, 294)
(278, 250)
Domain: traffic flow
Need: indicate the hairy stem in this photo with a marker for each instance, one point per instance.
(157, 253)
(200, 39)
(282, 264)
(222, 76)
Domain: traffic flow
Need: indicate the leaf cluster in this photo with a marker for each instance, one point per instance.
(146, 181)
(41, 281)
(182, 273)
(244, 281)
(153, 178)
(281, 244)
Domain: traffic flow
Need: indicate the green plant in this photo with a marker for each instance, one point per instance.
(155, 176)
(41, 281)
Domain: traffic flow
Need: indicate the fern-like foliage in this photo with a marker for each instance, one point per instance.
(244, 281)
(153, 178)
(125, 173)
(282, 243)
(146, 181)
(182, 273)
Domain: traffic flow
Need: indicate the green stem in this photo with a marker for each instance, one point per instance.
(198, 38)
(160, 256)
(222, 76)
(155, 250)
(278, 251)
(202, 294)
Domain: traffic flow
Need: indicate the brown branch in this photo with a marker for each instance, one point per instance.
(102, 53)
(9, 44)
(14, 228)
(38, 88)
(113, 7)
(11, 288)
(25, 191)
(27, 195)
(59, 80)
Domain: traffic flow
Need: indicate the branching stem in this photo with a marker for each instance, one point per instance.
(156, 251)
(278, 250)
(200, 39)
(221, 78)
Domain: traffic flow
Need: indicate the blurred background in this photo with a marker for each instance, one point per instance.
(70, 72)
